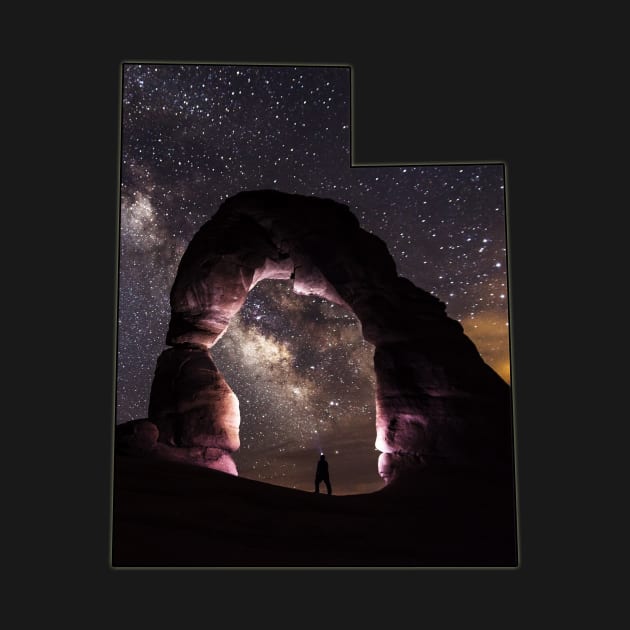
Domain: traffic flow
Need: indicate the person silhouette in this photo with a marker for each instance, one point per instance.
(321, 474)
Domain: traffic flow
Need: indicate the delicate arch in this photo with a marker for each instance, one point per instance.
(437, 402)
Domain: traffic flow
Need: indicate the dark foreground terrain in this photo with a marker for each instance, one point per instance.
(174, 515)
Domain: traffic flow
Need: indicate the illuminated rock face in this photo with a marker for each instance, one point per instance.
(191, 403)
(437, 402)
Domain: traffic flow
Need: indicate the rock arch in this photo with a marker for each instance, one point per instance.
(437, 402)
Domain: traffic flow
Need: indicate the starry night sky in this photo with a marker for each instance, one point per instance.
(193, 135)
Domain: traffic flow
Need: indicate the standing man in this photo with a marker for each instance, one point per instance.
(321, 474)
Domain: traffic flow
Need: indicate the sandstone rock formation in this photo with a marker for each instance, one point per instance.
(437, 402)
(136, 437)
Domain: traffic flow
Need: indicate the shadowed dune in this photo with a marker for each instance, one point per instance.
(173, 514)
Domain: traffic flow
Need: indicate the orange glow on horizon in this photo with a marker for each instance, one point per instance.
(488, 331)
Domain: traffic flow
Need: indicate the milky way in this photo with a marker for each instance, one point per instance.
(193, 135)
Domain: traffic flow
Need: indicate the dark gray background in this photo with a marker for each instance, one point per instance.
(494, 87)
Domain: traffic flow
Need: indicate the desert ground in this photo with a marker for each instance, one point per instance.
(168, 514)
